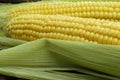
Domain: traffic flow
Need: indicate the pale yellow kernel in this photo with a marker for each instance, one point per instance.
(115, 33)
(91, 35)
(62, 36)
(82, 32)
(66, 30)
(114, 15)
(73, 38)
(23, 37)
(100, 39)
(117, 9)
(45, 35)
(118, 16)
(56, 35)
(105, 40)
(39, 35)
(82, 39)
(92, 8)
(105, 31)
(110, 40)
(53, 35)
(96, 37)
(59, 36)
(31, 38)
(87, 35)
(65, 37)
(118, 42)
(68, 37)
(77, 38)
(115, 41)
(35, 34)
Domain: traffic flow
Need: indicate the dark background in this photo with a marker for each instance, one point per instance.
(17, 1)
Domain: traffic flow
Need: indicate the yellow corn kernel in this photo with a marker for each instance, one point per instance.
(62, 27)
(87, 9)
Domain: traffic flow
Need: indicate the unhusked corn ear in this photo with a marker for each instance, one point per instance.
(32, 27)
(87, 9)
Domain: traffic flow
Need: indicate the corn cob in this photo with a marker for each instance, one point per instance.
(32, 27)
(86, 9)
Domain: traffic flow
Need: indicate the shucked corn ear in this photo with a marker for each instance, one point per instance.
(32, 27)
(87, 9)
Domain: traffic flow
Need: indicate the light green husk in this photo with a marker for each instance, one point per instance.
(56, 55)
(4, 10)
(46, 74)
(6, 43)
(104, 58)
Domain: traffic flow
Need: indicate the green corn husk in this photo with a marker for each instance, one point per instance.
(46, 74)
(64, 56)
(6, 43)
(30, 54)
(4, 10)
(22, 72)
(103, 58)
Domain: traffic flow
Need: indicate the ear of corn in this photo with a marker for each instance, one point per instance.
(32, 27)
(87, 9)
(97, 62)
